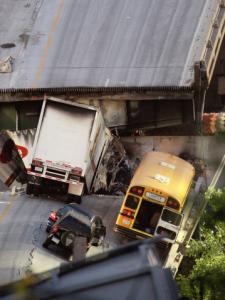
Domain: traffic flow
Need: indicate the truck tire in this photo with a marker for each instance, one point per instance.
(29, 189)
(36, 190)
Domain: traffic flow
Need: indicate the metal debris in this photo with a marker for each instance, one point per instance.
(115, 171)
(6, 66)
(109, 167)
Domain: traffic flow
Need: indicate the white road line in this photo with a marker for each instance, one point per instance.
(4, 202)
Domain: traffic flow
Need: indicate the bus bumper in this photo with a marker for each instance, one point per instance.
(130, 233)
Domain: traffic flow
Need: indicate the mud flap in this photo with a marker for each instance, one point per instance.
(76, 188)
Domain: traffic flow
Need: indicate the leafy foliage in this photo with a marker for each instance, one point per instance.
(205, 278)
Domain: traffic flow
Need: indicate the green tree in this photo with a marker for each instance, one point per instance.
(204, 275)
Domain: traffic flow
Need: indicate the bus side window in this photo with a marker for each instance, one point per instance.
(131, 202)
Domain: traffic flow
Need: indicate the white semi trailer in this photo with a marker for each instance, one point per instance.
(69, 143)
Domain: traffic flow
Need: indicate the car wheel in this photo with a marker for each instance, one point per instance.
(37, 190)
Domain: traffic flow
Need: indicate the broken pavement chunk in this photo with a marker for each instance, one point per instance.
(6, 66)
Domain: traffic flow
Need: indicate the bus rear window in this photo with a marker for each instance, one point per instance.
(131, 202)
(171, 217)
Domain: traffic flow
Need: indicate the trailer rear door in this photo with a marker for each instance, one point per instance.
(64, 134)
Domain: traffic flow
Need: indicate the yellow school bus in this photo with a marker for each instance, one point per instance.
(155, 198)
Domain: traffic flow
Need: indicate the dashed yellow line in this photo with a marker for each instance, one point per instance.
(48, 44)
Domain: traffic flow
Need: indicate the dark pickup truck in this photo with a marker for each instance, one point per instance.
(77, 223)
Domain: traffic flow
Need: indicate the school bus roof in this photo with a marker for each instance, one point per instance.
(165, 172)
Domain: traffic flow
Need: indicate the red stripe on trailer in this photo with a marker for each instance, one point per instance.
(23, 151)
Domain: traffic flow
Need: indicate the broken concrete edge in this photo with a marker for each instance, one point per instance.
(6, 65)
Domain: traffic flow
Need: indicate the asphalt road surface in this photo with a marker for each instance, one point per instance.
(22, 222)
(22, 232)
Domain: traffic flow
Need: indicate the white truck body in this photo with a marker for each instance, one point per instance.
(70, 141)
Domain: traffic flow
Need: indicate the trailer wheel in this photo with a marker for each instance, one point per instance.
(36, 190)
(29, 189)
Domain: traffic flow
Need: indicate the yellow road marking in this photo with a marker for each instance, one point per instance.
(48, 44)
(6, 208)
